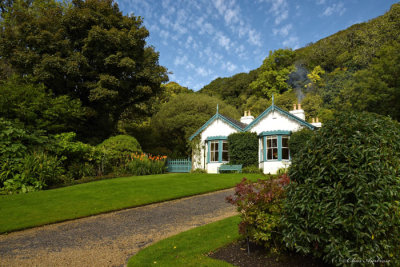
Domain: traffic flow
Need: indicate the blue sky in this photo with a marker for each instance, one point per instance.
(200, 40)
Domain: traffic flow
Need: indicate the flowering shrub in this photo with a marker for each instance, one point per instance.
(145, 164)
(260, 207)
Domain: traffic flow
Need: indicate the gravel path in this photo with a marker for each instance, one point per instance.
(110, 239)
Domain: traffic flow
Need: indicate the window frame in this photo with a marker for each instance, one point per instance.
(279, 136)
(217, 150)
(214, 152)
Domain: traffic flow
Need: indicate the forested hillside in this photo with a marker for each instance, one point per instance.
(354, 69)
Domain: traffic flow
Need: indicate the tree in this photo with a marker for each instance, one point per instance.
(377, 88)
(87, 50)
(36, 109)
(274, 73)
(177, 120)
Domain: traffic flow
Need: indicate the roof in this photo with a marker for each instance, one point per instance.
(234, 123)
(242, 127)
(283, 112)
(237, 123)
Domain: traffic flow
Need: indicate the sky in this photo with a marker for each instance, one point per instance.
(201, 40)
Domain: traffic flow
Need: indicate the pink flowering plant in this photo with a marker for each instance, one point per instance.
(260, 206)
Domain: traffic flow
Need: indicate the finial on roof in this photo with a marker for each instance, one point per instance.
(272, 99)
(217, 108)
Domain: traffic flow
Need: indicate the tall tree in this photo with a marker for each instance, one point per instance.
(274, 73)
(85, 49)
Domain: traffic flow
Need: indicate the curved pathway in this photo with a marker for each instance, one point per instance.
(110, 239)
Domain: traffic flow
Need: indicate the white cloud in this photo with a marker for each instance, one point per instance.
(223, 40)
(292, 42)
(181, 60)
(229, 66)
(203, 72)
(283, 31)
(281, 16)
(231, 15)
(320, 2)
(254, 38)
(335, 8)
(279, 9)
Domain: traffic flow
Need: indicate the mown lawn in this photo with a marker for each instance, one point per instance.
(190, 248)
(44, 207)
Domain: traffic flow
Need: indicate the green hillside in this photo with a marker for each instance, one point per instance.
(355, 69)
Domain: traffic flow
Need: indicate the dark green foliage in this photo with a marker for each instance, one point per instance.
(298, 141)
(243, 148)
(234, 90)
(252, 169)
(343, 202)
(37, 109)
(119, 148)
(87, 50)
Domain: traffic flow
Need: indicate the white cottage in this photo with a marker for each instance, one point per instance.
(273, 127)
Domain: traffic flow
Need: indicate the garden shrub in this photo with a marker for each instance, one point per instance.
(252, 169)
(260, 207)
(298, 140)
(198, 170)
(343, 205)
(36, 171)
(79, 159)
(118, 149)
(243, 148)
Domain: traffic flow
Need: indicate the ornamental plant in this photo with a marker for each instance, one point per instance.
(343, 203)
(145, 164)
(260, 206)
(243, 148)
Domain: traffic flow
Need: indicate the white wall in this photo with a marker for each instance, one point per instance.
(273, 166)
(216, 128)
(275, 121)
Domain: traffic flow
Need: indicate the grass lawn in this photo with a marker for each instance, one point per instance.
(44, 207)
(189, 248)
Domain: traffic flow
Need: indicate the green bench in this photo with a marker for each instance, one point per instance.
(237, 168)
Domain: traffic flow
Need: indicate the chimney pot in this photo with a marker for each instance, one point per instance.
(299, 106)
(313, 120)
(317, 120)
(294, 106)
(249, 114)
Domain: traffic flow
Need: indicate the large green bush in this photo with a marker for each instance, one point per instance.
(298, 140)
(118, 148)
(343, 203)
(243, 148)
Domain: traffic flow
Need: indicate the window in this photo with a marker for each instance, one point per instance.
(214, 149)
(261, 146)
(219, 151)
(272, 147)
(225, 154)
(285, 147)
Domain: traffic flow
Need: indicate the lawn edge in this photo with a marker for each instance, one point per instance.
(114, 210)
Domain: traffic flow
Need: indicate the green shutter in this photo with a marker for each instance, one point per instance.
(279, 147)
(265, 148)
(208, 152)
(220, 151)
